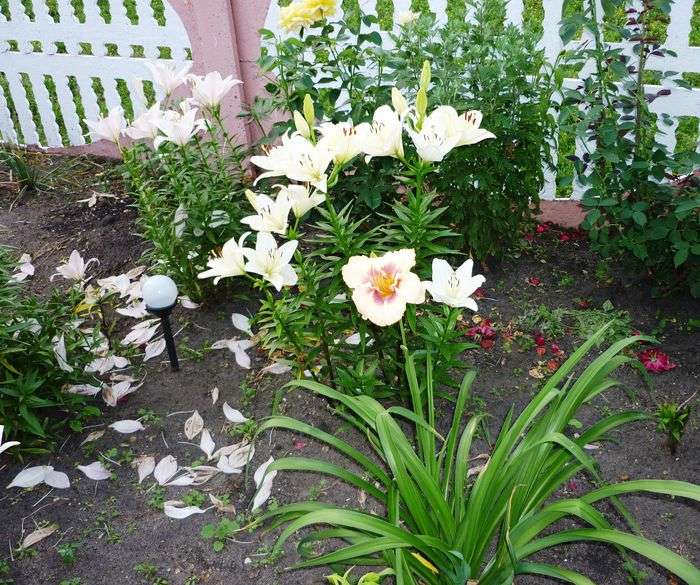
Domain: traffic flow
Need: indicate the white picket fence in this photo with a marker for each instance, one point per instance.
(680, 103)
(78, 52)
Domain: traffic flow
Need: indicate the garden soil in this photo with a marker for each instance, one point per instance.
(120, 535)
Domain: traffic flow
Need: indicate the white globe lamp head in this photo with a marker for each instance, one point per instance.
(159, 292)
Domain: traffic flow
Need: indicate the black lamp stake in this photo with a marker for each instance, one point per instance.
(164, 315)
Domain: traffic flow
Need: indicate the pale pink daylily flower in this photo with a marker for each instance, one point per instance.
(208, 91)
(381, 287)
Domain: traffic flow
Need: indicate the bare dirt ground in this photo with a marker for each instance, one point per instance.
(122, 537)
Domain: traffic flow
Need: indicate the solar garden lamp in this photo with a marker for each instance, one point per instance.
(160, 295)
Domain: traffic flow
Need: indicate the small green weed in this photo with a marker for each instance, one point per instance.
(218, 533)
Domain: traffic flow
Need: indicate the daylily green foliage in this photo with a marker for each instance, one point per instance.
(444, 523)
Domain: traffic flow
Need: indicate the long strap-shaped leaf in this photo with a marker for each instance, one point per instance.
(552, 571)
(668, 559)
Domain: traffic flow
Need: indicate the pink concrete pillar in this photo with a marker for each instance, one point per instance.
(210, 26)
(248, 18)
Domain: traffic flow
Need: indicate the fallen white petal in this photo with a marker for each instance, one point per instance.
(193, 426)
(38, 535)
(233, 415)
(188, 303)
(30, 477)
(127, 426)
(214, 395)
(276, 368)
(154, 349)
(57, 479)
(93, 436)
(206, 443)
(242, 323)
(178, 510)
(144, 466)
(95, 471)
(165, 470)
(263, 481)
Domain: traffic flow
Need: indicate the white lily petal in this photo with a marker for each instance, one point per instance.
(95, 471)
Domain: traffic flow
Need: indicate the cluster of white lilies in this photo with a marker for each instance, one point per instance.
(312, 159)
(160, 124)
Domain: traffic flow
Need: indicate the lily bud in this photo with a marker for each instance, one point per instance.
(399, 102)
(425, 76)
(301, 125)
(309, 112)
(421, 107)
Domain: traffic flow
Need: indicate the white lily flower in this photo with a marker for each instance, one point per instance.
(298, 160)
(406, 17)
(178, 128)
(231, 261)
(146, 125)
(469, 128)
(343, 140)
(75, 268)
(272, 215)
(271, 262)
(25, 268)
(454, 287)
(385, 136)
(8, 444)
(109, 127)
(208, 91)
(399, 102)
(438, 135)
(168, 77)
(301, 197)
(382, 286)
(263, 483)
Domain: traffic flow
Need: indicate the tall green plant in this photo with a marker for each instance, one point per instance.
(445, 524)
(639, 209)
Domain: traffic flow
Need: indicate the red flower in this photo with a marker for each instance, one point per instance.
(656, 361)
(298, 444)
(540, 341)
(534, 281)
(529, 237)
(483, 330)
(541, 350)
(564, 237)
(541, 228)
(479, 293)
(555, 348)
(552, 366)
(487, 343)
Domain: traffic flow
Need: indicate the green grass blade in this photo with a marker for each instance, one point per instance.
(552, 571)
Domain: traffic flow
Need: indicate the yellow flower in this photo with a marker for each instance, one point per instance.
(426, 563)
(303, 13)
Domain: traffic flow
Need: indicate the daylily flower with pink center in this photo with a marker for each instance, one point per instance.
(656, 361)
(381, 287)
